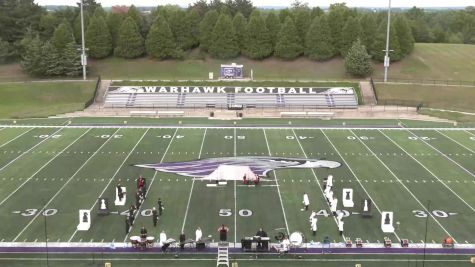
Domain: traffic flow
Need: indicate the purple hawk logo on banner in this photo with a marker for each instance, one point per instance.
(258, 165)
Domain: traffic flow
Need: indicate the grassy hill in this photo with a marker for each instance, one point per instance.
(24, 100)
(435, 61)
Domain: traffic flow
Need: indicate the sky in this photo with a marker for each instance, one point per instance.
(322, 3)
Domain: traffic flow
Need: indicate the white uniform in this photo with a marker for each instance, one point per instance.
(333, 205)
(198, 234)
(340, 216)
(285, 245)
(313, 214)
(163, 238)
(330, 195)
(330, 181)
(306, 201)
(313, 223)
(340, 226)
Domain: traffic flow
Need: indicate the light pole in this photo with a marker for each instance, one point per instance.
(386, 57)
(83, 48)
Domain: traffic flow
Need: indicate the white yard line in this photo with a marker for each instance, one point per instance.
(443, 154)
(150, 186)
(470, 133)
(456, 141)
(336, 127)
(62, 187)
(399, 180)
(42, 167)
(433, 174)
(235, 193)
(33, 147)
(278, 187)
(113, 176)
(16, 137)
(356, 177)
(192, 185)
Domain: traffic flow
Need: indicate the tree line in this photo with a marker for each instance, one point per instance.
(47, 42)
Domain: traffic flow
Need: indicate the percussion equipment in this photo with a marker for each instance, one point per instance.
(143, 243)
(150, 241)
(134, 240)
(296, 238)
(170, 241)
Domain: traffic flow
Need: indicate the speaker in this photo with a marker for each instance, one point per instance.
(211, 114)
(200, 245)
(246, 244)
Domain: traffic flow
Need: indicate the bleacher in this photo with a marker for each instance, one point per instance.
(224, 100)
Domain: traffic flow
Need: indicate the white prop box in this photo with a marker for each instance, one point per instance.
(387, 222)
(117, 202)
(348, 198)
(84, 220)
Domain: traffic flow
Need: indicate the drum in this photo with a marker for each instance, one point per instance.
(170, 241)
(150, 241)
(134, 240)
(296, 238)
(143, 243)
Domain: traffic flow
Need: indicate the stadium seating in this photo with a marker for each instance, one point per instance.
(216, 100)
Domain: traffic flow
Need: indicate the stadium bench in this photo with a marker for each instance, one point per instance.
(309, 114)
(172, 113)
(142, 113)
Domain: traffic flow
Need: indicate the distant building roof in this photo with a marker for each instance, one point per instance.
(120, 9)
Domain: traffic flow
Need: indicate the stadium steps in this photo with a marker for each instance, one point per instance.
(181, 100)
(330, 101)
(131, 100)
(223, 254)
(230, 99)
(280, 100)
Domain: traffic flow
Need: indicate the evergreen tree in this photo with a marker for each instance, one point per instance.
(273, 25)
(283, 14)
(288, 44)
(160, 42)
(71, 60)
(316, 12)
(302, 20)
(350, 34)
(239, 26)
(368, 27)
(77, 26)
(32, 57)
(318, 42)
(6, 51)
(181, 29)
(62, 35)
(357, 60)
(51, 60)
(114, 20)
(206, 29)
(98, 38)
(100, 12)
(337, 18)
(404, 35)
(134, 13)
(380, 44)
(48, 24)
(223, 42)
(130, 43)
(193, 19)
(258, 41)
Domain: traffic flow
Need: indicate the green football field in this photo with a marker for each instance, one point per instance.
(425, 176)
